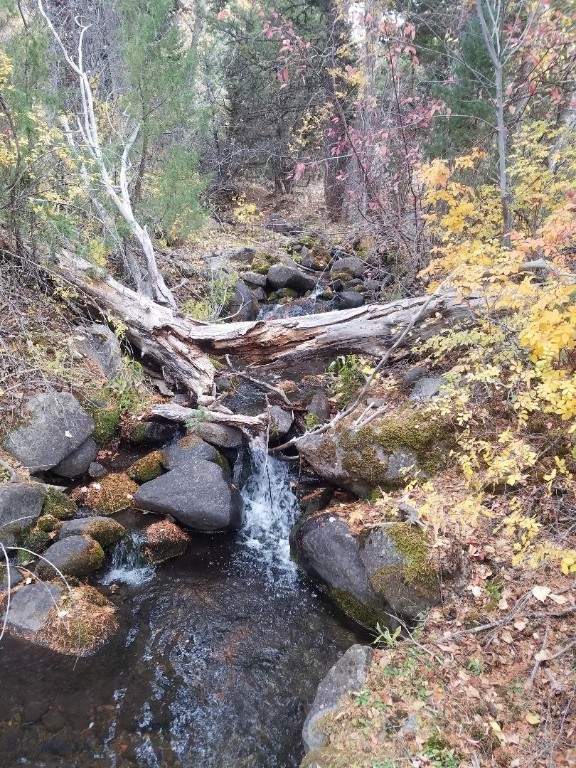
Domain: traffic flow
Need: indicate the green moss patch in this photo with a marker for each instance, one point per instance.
(147, 468)
(58, 505)
(111, 494)
(106, 416)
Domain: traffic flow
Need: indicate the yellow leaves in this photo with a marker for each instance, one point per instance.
(532, 718)
(568, 563)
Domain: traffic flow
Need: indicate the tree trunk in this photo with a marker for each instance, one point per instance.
(180, 347)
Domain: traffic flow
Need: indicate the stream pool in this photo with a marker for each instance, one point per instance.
(215, 665)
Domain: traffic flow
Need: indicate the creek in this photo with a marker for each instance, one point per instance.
(215, 664)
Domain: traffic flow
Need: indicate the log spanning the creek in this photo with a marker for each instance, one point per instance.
(180, 347)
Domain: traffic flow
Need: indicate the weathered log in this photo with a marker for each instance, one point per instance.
(180, 346)
(182, 415)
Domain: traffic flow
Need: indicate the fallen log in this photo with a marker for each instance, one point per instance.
(180, 347)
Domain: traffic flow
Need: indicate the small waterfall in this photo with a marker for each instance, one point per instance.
(270, 509)
(128, 564)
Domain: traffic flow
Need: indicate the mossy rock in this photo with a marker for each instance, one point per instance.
(327, 757)
(74, 556)
(112, 494)
(102, 529)
(287, 293)
(47, 523)
(58, 505)
(397, 558)
(262, 262)
(364, 613)
(36, 540)
(106, 417)
(147, 468)
(386, 454)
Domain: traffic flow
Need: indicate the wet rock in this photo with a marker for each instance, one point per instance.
(280, 422)
(163, 541)
(243, 305)
(33, 711)
(30, 607)
(102, 529)
(397, 561)
(56, 426)
(20, 507)
(9, 577)
(350, 266)
(100, 345)
(348, 300)
(197, 493)
(78, 462)
(74, 556)
(289, 276)
(219, 435)
(346, 676)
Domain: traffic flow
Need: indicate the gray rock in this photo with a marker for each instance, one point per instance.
(186, 450)
(243, 305)
(104, 530)
(348, 300)
(20, 507)
(426, 387)
(407, 583)
(412, 375)
(33, 710)
(101, 346)
(196, 493)
(278, 224)
(346, 676)
(57, 426)
(351, 265)
(74, 556)
(97, 471)
(254, 278)
(328, 550)
(15, 577)
(219, 435)
(288, 276)
(30, 607)
(243, 255)
(280, 422)
(78, 462)
(320, 407)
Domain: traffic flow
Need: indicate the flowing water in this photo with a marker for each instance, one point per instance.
(215, 665)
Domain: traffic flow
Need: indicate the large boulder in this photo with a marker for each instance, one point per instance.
(78, 462)
(327, 550)
(349, 266)
(20, 507)
(244, 304)
(289, 276)
(104, 530)
(348, 300)
(188, 448)
(388, 453)
(197, 493)
(348, 675)
(73, 556)
(373, 577)
(56, 425)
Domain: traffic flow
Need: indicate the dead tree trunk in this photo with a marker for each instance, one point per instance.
(180, 347)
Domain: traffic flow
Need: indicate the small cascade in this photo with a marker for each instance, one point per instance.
(128, 564)
(270, 509)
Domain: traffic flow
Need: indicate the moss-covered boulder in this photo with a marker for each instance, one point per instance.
(163, 541)
(113, 493)
(102, 529)
(397, 559)
(386, 454)
(20, 507)
(58, 505)
(147, 468)
(370, 577)
(73, 556)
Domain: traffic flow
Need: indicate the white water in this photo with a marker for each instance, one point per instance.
(128, 564)
(270, 509)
